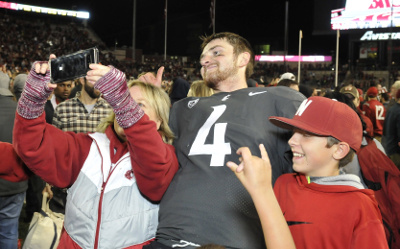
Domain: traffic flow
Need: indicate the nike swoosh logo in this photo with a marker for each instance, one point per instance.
(255, 93)
(292, 223)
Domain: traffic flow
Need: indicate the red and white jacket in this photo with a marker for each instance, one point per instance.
(109, 181)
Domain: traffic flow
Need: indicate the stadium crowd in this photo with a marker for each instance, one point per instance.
(25, 41)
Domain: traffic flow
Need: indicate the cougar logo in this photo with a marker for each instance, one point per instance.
(192, 103)
(226, 97)
(129, 174)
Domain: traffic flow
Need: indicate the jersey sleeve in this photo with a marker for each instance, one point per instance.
(50, 153)
(154, 162)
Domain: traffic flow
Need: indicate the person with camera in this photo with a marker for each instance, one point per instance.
(115, 178)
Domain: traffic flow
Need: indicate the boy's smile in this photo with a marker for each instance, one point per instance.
(311, 156)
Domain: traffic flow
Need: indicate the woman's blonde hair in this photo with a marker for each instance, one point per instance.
(199, 88)
(158, 100)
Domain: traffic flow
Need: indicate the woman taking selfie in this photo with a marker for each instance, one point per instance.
(116, 176)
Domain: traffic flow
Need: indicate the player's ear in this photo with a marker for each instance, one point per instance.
(243, 59)
(342, 149)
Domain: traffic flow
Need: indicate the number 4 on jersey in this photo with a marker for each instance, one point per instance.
(219, 148)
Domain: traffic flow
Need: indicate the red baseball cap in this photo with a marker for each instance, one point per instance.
(372, 91)
(325, 117)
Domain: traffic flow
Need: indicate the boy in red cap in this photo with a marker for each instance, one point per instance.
(323, 207)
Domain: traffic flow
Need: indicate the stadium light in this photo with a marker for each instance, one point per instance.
(44, 10)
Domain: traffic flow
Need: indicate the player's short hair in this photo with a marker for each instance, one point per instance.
(239, 44)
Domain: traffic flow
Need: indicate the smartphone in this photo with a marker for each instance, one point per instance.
(73, 66)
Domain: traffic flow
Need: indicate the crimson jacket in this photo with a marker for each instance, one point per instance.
(12, 168)
(57, 156)
(330, 216)
(43, 147)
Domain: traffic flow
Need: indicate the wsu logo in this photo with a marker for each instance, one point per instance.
(303, 107)
(192, 103)
(129, 174)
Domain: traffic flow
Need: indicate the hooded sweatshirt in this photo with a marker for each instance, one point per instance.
(330, 212)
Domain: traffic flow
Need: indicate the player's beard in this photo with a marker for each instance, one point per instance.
(212, 79)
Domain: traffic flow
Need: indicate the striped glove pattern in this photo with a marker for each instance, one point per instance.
(115, 91)
(35, 94)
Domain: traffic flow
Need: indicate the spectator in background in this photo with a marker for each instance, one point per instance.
(8, 107)
(352, 93)
(380, 89)
(322, 92)
(306, 90)
(314, 91)
(393, 91)
(274, 81)
(75, 89)
(375, 111)
(251, 83)
(19, 84)
(82, 113)
(391, 132)
(289, 83)
(199, 89)
(361, 94)
(287, 76)
(60, 94)
(179, 90)
(12, 194)
(385, 99)
(354, 167)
